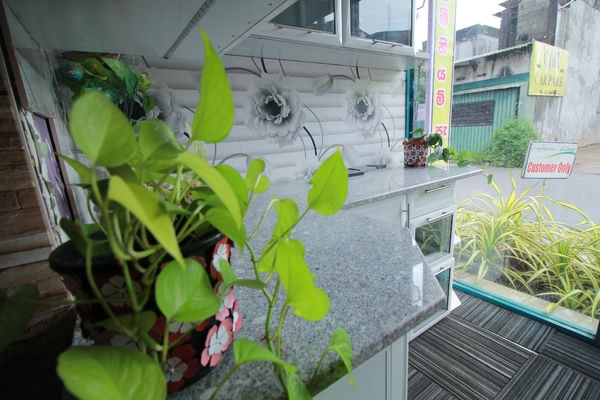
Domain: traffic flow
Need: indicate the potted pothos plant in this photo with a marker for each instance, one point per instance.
(84, 72)
(153, 267)
(422, 149)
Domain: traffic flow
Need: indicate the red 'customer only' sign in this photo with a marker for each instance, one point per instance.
(549, 160)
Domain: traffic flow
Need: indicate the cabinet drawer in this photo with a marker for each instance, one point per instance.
(388, 210)
(427, 200)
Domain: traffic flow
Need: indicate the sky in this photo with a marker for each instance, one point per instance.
(472, 12)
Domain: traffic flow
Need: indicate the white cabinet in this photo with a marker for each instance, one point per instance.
(422, 201)
(392, 209)
(430, 214)
(382, 377)
(368, 34)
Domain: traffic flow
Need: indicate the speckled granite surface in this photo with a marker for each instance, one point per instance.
(387, 182)
(378, 284)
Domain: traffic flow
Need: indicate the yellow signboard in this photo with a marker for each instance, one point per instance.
(548, 71)
(441, 65)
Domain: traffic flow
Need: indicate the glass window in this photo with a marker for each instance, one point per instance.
(316, 15)
(434, 237)
(386, 20)
(550, 273)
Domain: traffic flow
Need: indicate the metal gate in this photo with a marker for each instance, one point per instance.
(476, 115)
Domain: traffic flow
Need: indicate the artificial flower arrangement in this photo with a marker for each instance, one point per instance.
(153, 269)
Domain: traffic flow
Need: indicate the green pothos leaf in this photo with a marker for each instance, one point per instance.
(221, 219)
(108, 372)
(148, 208)
(123, 72)
(256, 182)
(236, 182)
(266, 262)
(138, 323)
(309, 302)
(287, 217)
(15, 312)
(217, 183)
(157, 141)
(215, 110)
(296, 389)
(101, 130)
(80, 233)
(125, 172)
(84, 172)
(245, 351)
(226, 271)
(330, 185)
(186, 294)
(340, 343)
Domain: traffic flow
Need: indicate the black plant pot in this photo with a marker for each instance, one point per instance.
(195, 355)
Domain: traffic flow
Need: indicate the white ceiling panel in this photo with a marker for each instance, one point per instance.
(142, 27)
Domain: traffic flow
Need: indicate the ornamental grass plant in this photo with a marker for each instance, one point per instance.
(516, 241)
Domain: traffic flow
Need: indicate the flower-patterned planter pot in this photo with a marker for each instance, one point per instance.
(415, 153)
(196, 354)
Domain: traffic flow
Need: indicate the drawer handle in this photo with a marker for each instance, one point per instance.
(438, 188)
(441, 216)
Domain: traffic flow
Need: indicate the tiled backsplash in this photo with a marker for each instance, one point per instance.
(294, 114)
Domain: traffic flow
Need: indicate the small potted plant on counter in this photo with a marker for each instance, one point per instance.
(422, 149)
(152, 271)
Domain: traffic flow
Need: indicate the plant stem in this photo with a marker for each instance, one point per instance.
(270, 311)
(165, 343)
(271, 300)
(132, 295)
(282, 317)
(103, 302)
(319, 364)
(262, 218)
(254, 261)
(149, 341)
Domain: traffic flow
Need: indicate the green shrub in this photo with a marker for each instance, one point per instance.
(475, 157)
(509, 144)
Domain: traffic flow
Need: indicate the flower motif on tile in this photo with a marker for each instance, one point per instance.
(116, 288)
(363, 110)
(117, 340)
(176, 329)
(274, 110)
(222, 252)
(217, 341)
(182, 364)
(227, 301)
(237, 318)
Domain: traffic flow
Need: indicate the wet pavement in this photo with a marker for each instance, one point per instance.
(581, 188)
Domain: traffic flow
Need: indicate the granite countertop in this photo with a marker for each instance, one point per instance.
(376, 278)
(388, 182)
